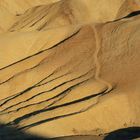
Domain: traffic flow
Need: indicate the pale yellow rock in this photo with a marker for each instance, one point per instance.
(10, 10)
(69, 67)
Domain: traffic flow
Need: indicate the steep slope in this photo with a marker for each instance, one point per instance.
(72, 85)
(10, 10)
(67, 13)
(19, 7)
(132, 5)
(68, 71)
(55, 13)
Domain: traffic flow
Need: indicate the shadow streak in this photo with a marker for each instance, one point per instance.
(129, 133)
(11, 133)
(135, 13)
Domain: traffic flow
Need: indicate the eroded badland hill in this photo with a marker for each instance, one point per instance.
(69, 67)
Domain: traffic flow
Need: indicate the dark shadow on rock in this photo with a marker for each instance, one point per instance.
(11, 133)
(135, 13)
(124, 134)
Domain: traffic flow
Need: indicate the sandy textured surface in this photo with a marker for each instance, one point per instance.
(69, 67)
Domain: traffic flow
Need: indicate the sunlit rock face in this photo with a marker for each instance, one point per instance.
(69, 67)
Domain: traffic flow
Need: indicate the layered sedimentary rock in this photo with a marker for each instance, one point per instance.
(70, 67)
(10, 10)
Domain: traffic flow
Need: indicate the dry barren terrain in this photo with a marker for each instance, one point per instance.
(69, 67)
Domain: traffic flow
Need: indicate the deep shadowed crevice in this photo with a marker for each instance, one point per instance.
(26, 116)
(135, 13)
(129, 133)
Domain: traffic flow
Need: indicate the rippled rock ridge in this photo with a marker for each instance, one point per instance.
(69, 67)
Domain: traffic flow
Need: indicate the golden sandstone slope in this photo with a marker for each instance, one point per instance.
(69, 67)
